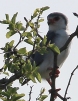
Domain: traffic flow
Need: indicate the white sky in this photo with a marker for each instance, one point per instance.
(25, 8)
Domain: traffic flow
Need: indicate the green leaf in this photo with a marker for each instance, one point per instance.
(44, 40)
(3, 99)
(34, 64)
(5, 67)
(11, 43)
(18, 25)
(5, 94)
(29, 52)
(7, 16)
(5, 22)
(6, 73)
(42, 90)
(27, 34)
(40, 20)
(38, 76)
(24, 34)
(45, 8)
(22, 50)
(11, 26)
(10, 33)
(34, 33)
(28, 67)
(29, 41)
(54, 48)
(43, 50)
(32, 78)
(14, 18)
(31, 24)
(21, 80)
(44, 97)
(35, 13)
(38, 40)
(18, 96)
(22, 28)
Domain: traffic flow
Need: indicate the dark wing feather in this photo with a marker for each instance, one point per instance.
(51, 37)
(37, 57)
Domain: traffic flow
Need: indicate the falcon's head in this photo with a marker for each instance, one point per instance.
(57, 21)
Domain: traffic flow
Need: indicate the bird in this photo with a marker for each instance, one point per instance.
(57, 34)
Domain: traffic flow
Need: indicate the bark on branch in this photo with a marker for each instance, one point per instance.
(55, 67)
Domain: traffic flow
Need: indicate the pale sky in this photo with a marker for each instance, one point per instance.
(25, 8)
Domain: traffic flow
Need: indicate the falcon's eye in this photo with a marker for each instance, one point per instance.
(56, 18)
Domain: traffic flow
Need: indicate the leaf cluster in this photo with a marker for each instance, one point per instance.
(13, 57)
(10, 94)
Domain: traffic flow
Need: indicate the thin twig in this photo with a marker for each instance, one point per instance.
(69, 39)
(26, 23)
(33, 50)
(53, 77)
(75, 14)
(19, 39)
(30, 93)
(36, 29)
(40, 95)
(36, 26)
(70, 81)
(59, 96)
(40, 36)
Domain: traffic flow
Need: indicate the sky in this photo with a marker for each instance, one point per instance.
(25, 8)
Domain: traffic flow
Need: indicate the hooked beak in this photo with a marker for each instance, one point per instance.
(51, 21)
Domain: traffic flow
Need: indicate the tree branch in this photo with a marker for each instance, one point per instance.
(69, 39)
(53, 77)
(55, 67)
(30, 93)
(4, 82)
(19, 39)
(70, 81)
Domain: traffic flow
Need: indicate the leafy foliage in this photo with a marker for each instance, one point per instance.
(22, 69)
(11, 94)
(41, 96)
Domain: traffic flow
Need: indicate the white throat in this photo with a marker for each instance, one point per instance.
(57, 27)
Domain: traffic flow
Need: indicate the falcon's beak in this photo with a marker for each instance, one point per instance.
(51, 21)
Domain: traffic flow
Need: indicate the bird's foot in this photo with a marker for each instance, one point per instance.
(54, 92)
(57, 72)
(51, 74)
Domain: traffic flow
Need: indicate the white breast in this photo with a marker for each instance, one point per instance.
(48, 61)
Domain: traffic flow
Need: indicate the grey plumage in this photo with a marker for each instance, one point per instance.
(37, 57)
(55, 14)
(58, 34)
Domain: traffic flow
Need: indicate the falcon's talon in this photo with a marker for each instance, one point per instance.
(56, 75)
(57, 72)
(51, 74)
